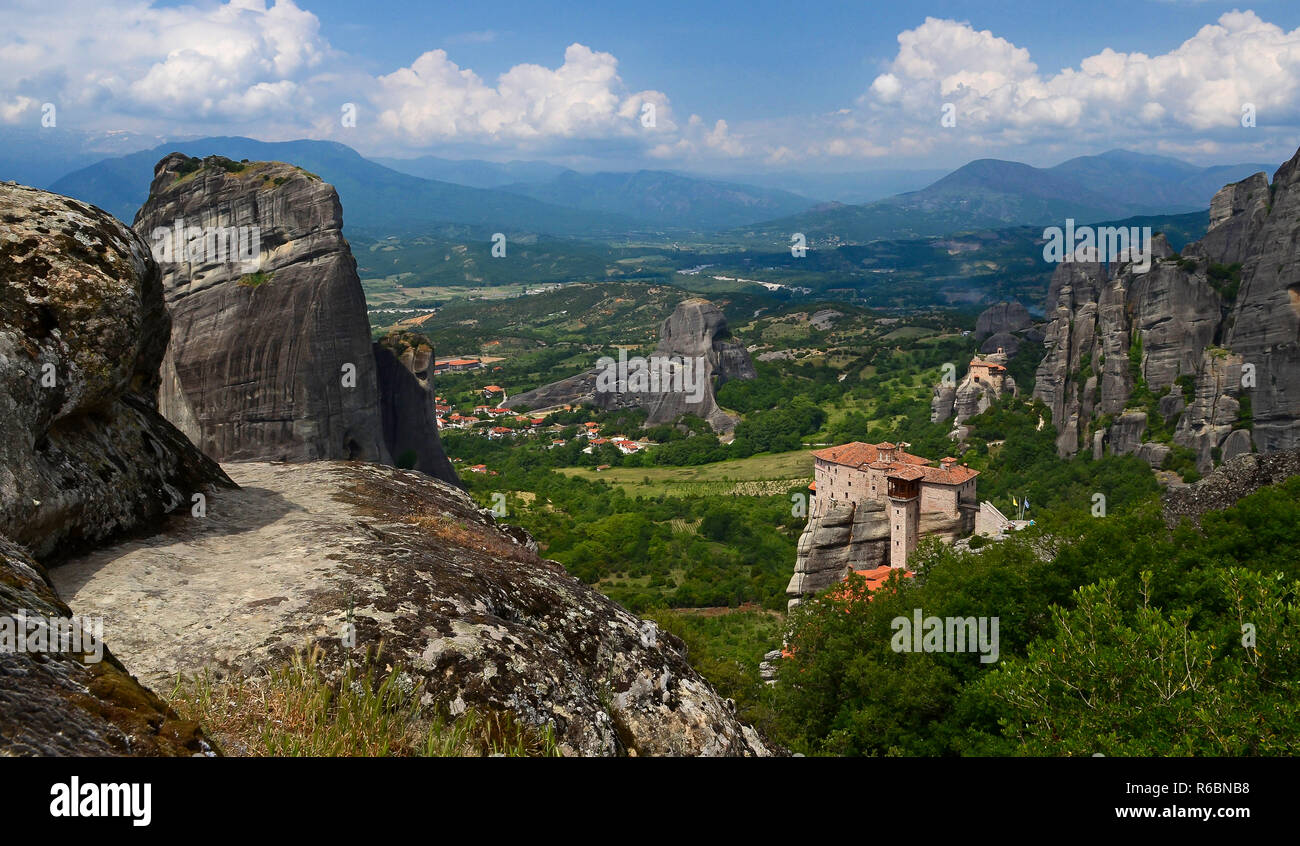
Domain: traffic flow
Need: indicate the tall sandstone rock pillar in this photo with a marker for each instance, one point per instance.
(270, 357)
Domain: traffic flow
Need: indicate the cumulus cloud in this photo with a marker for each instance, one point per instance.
(434, 98)
(263, 67)
(1000, 94)
(237, 61)
(267, 68)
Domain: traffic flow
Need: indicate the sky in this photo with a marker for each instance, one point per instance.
(728, 87)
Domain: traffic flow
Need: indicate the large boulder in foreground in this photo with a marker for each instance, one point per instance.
(84, 453)
(454, 598)
(58, 703)
(84, 456)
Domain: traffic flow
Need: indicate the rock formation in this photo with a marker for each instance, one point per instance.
(407, 404)
(271, 356)
(463, 603)
(975, 393)
(1005, 318)
(84, 453)
(84, 456)
(1212, 335)
(1236, 478)
(56, 704)
(854, 536)
(696, 330)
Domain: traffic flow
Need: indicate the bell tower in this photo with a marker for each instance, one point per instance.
(904, 514)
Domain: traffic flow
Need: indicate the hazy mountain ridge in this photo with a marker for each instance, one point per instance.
(377, 198)
(992, 193)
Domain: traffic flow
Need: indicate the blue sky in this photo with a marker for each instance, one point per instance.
(735, 86)
(749, 60)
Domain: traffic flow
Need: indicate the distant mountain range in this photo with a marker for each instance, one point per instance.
(844, 187)
(658, 198)
(990, 194)
(475, 173)
(375, 199)
(379, 199)
(473, 198)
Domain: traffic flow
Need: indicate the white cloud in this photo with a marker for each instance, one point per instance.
(998, 91)
(265, 68)
(584, 97)
(15, 109)
(238, 61)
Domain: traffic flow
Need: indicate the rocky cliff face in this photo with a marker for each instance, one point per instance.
(270, 356)
(84, 456)
(1002, 318)
(462, 602)
(695, 331)
(407, 404)
(847, 536)
(1206, 345)
(855, 536)
(84, 453)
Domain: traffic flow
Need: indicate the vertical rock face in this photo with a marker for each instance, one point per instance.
(854, 535)
(1264, 326)
(696, 331)
(84, 455)
(1214, 335)
(407, 405)
(849, 535)
(1004, 318)
(270, 356)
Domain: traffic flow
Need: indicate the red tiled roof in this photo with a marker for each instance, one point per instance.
(812, 486)
(956, 475)
(876, 578)
(992, 365)
(493, 388)
(857, 453)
